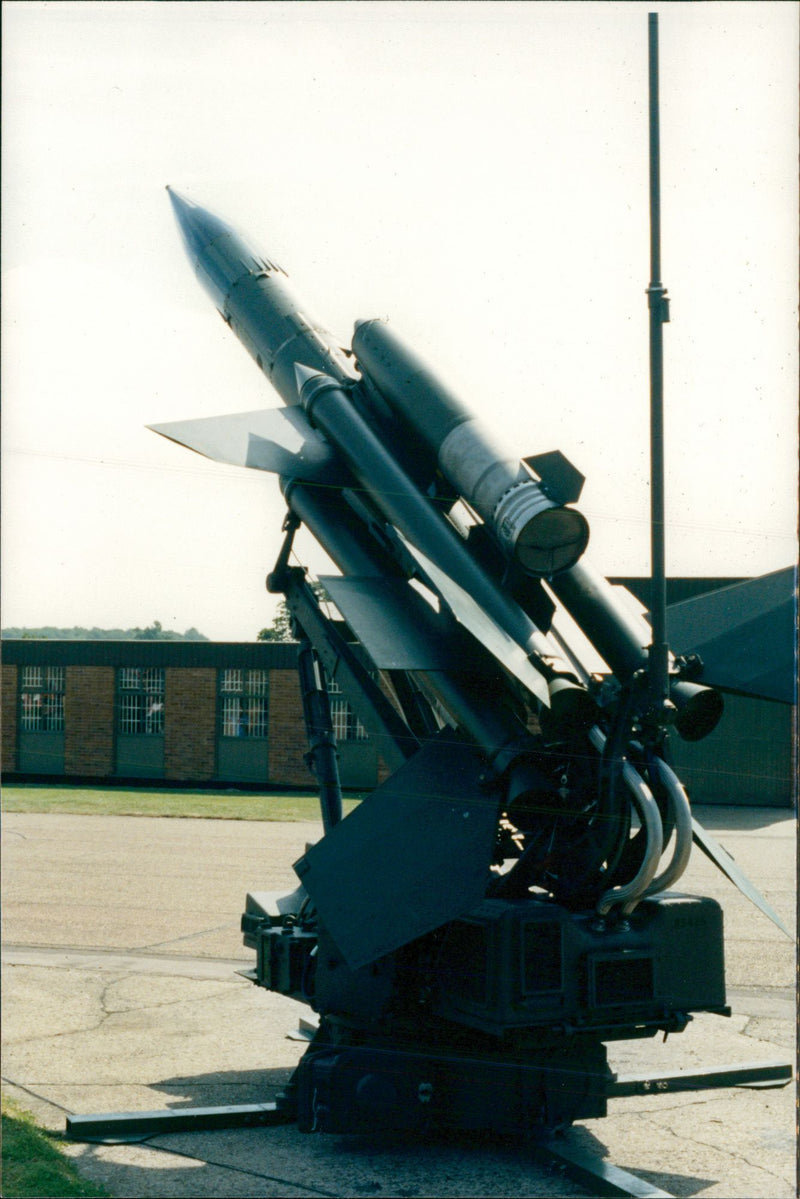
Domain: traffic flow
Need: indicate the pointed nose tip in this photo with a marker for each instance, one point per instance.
(198, 227)
(179, 203)
(181, 206)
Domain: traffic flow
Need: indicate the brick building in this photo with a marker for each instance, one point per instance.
(189, 712)
(181, 711)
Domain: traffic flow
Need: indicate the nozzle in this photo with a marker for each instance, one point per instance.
(699, 709)
(542, 538)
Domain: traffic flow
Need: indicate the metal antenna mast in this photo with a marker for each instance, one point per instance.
(659, 315)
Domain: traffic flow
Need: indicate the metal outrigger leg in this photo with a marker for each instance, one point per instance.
(555, 1151)
(120, 1128)
(603, 1178)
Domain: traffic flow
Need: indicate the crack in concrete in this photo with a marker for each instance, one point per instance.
(107, 1013)
(102, 1000)
(680, 1103)
(69, 1032)
(757, 1033)
(144, 1006)
(726, 1152)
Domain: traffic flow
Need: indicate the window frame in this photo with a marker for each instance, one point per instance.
(343, 718)
(242, 704)
(140, 700)
(41, 699)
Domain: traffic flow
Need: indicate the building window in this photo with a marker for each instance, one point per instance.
(346, 725)
(42, 699)
(140, 700)
(244, 703)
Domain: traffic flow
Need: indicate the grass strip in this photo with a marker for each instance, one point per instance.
(131, 801)
(32, 1165)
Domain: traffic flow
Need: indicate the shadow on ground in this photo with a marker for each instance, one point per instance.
(280, 1161)
(734, 819)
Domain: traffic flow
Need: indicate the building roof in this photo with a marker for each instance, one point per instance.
(263, 655)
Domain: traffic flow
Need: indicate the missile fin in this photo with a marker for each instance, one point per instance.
(721, 858)
(394, 623)
(562, 481)
(504, 648)
(744, 635)
(279, 440)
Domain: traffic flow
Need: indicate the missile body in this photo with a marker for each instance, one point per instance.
(252, 294)
(330, 409)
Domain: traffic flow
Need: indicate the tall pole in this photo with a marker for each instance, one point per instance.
(659, 315)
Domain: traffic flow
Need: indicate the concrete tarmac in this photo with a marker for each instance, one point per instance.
(120, 945)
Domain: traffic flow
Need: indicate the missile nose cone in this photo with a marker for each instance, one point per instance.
(218, 254)
(198, 227)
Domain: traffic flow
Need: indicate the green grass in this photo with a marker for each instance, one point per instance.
(32, 1165)
(132, 801)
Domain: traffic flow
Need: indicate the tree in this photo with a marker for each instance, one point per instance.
(281, 627)
(152, 633)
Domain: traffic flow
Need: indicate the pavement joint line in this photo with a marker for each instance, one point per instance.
(124, 961)
(35, 1095)
(192, 936)
(101, 950)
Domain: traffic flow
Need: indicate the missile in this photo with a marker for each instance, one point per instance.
(252, 294)
(373, 424)
(316, 377)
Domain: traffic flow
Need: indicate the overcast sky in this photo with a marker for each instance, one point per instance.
(475, 172)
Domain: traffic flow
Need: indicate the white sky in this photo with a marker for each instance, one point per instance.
(477, 173)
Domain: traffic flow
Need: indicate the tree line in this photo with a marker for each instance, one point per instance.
(153, 632)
